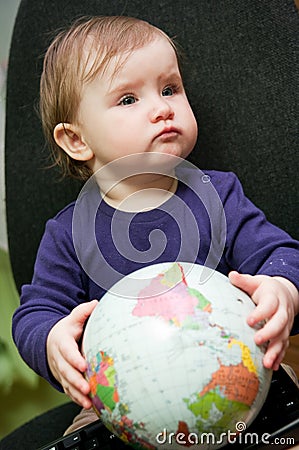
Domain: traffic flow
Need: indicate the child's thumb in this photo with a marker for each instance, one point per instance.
(81, 313)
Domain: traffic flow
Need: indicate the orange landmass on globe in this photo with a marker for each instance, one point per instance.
(236, 382)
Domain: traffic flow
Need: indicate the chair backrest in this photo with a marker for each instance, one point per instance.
(241, 75)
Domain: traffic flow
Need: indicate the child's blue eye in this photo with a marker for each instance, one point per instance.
(128, 100)
(168, 91)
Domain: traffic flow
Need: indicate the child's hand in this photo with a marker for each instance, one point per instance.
(64, 357)
(277, 301)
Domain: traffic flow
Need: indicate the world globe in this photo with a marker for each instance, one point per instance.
(171, 359)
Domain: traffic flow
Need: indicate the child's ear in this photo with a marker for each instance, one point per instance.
(68, 137)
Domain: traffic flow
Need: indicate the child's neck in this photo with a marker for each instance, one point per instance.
(141, 192)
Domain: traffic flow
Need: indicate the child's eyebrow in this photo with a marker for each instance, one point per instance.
(120, 89)
(129, 86)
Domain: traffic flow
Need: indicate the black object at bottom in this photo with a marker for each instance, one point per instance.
(277, 423)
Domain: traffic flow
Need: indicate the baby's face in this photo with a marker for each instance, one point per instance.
(140, 108)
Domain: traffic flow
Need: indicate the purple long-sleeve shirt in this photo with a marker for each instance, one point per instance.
(89, 245)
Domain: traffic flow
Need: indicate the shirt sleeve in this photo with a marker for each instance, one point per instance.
(253, 244)
(57, 287)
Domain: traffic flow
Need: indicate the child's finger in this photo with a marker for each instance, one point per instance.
(74, 385)
(276, 327)
(275, 354)
(70, 353)
(264, 310)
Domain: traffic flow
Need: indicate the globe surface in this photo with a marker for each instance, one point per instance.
(171, 359)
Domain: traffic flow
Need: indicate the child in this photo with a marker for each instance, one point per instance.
(113, 104)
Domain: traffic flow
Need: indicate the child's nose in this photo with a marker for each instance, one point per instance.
(162, 110)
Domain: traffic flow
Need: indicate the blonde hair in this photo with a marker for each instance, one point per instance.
(74, 58)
